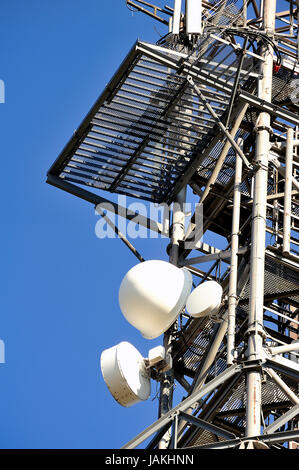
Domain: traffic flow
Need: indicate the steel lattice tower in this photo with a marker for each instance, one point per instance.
(212, 106)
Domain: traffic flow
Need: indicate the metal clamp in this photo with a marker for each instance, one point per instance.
(253, 364)
(256, 129)
(257, 328)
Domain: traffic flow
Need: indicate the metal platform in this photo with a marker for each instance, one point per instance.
(145, 129)
(148, 132)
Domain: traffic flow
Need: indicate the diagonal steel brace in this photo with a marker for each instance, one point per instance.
(219, 123)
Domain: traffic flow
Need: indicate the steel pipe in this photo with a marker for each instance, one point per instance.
(233, 277)
(285, 349)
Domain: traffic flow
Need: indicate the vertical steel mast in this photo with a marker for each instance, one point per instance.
(258, 238)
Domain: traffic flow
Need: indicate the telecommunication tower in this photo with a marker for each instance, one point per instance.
(212, 106)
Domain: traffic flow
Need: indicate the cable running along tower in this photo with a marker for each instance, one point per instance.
(212, 106)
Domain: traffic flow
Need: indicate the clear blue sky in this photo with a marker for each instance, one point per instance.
(59, 282)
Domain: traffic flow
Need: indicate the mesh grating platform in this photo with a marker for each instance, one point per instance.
(148, 128)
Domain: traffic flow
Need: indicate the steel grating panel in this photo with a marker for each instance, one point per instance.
(228, 13)
(148, 125)
(206, 438)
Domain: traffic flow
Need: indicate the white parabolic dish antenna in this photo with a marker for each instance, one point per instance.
(124, 373)
(204, 299)
(152, 294)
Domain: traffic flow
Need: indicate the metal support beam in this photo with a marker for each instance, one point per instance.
(258, 233)
(237, 79)
(176, 17)
(103, 202)
(166, 388)
(268, 107)
(206, 363)
(284, 366)
(119, 234)
(227, 146)
(282, 420)
(219, 123)
(216, 256)
(276, 438)
(285, 348)
(202, 424)
(283, 386)
(152, 14)
(207, 79)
